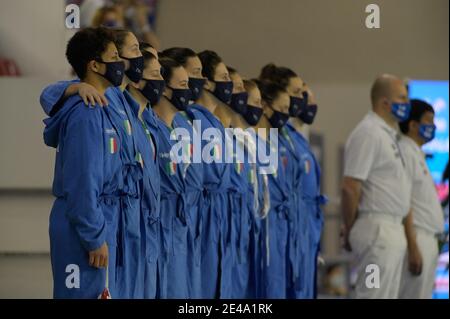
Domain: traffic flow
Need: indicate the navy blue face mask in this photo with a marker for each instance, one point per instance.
(223, 91)
(278, 119)
(196, 86)
(309, 114)
(153, 90)
(239, 102)
(134, 72)
(114, 72)
(295, 106)
(298, 104)
(180, 98)
(253, 114)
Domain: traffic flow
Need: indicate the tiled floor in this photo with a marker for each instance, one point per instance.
(25, 276)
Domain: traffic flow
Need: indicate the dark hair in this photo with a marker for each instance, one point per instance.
(181, 55)
(119, 37)
(148, 57)
(145, 46)
(210, 60)
(87, 45)
(418, 109)
(277, 74)
(249, 85)
(269, 90)
(231, 70)
(167, 67)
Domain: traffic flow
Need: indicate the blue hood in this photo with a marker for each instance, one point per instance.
(54, 124)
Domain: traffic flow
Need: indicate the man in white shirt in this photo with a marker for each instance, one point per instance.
(425, 222)
(376, 192)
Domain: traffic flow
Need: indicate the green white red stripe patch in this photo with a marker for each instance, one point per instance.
(112, 145)
(171, 168)
(127, 127)
(239, 167)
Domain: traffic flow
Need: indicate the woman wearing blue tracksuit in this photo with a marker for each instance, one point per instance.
(133, 226)
(247, 176)
(90, 162)
(259, 199)
(216, 173)
(275, 103)
(216, 181)
(193, 176)
(150, 185)
(310, 191)
(175, 207)
(310, 200)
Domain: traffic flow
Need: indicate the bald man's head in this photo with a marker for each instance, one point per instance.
(387, 86)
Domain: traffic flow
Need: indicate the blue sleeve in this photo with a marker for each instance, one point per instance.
(52, 96)
(83, 175)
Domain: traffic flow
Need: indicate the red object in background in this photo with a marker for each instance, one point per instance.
(442, 190)
(8, 68)
(105, 294)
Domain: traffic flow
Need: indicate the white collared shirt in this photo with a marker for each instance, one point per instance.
(427, 210)
(372, 155)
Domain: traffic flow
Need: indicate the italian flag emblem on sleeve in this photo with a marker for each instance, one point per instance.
(112, 145)
(127, 126)
(171, 168)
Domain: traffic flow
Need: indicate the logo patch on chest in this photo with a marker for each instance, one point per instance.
(112, 145)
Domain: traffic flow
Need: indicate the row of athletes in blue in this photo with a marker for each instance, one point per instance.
(129, 217)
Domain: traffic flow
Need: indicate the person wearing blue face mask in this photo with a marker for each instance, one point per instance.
(311, 197)
(376, 191)
(194, 171)
(85, 214)
(193, 66)
(276, 102)
(310, 219)
(425, 221)
(244, 196)
(216, 174)
(175, 208)
(297, 273)
(218, 83)
(293, 84)
(218, 89)
(133, 228)
(239, 96)
(141, 97)
(259, 199)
